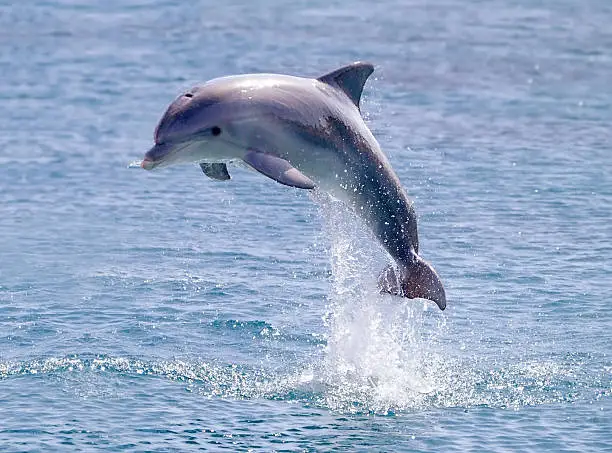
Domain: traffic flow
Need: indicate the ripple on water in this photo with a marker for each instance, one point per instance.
(451, 384)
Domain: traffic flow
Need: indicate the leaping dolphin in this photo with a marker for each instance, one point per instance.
(304, 133)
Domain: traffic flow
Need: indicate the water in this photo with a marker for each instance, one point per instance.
(167, 312)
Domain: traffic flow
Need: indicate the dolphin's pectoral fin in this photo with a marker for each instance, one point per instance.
(350, 79)
(419, 279)
(216, 171)
(278, 169)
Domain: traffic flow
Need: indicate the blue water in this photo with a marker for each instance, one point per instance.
(167, 312)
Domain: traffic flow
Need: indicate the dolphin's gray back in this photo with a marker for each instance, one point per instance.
(325, 119)
(244, 97)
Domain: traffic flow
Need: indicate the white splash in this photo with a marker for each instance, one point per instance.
(374, 357)
(135, 164)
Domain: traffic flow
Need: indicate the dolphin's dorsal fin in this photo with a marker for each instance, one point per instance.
(350, 79)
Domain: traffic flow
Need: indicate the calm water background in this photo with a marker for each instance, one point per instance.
(166, 312)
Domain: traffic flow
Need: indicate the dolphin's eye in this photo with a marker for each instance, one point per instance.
(216, 131)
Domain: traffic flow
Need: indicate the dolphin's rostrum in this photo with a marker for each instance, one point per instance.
(305, 133)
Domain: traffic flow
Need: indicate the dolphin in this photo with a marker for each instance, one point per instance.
(305, 133)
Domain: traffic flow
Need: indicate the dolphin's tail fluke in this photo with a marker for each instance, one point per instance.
(419, 279)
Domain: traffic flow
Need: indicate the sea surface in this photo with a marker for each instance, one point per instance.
(163, 311)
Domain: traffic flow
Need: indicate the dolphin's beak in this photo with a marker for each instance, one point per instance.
(147, 164)
(156, 156)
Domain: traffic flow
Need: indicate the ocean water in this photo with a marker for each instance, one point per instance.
(164, 311)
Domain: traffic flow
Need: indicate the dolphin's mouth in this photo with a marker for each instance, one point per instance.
(160, 155)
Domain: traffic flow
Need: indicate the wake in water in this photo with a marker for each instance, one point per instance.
(382, 391)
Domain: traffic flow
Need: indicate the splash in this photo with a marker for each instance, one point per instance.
(135, 164)
(375, 357)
